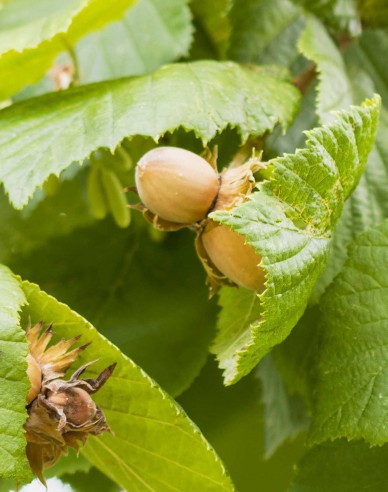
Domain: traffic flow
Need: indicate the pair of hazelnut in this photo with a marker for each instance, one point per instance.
(179, 189)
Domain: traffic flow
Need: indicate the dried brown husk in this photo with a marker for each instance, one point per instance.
(237, 183)
(61, 412)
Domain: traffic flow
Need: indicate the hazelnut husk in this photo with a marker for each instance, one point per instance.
(61, 413)
(229, 259)
(34, 374)
(180, 189)
(236, 183)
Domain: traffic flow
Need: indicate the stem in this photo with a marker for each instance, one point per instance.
(306, 78)
(344, 40)
(74, 59)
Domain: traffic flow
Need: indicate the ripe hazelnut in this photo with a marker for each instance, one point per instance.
(176, 185)
(76, 404)
(232, 256)
(61, 413)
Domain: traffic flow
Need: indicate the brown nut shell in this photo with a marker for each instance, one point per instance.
(233, 257)
(76, 403)
(176, 184)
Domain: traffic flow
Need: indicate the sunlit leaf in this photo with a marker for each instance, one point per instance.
(45, 135)
(289, 222)
(14, 382)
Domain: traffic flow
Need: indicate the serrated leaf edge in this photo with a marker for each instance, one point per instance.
(232, 366)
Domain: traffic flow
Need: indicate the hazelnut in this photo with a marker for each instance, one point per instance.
(61, 413)
(176, 185)
(76, 404)
(232, 256)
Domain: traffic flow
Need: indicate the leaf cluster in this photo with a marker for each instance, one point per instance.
(88, 87)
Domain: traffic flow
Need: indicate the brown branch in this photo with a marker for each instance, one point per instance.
(306, 78)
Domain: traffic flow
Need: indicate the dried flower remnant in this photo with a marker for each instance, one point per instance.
(236, 183)
(63, 76)
(61, 413)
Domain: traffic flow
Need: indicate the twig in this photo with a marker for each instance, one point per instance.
(306, 78)
(74, 59)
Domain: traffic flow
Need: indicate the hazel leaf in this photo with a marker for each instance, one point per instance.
(31, 39)
(340, 16)
(357, 72)
(154, 445)
(134, 290)
(45, 135)
(289, 222)
(93, 480)
(14, 383)
(214, 19)
(260, 35)
(39, 221)
(152, 33)
(316, 44)
(22, 29)
(69, 465)
(341, 466)
(374, 13)
(284, 414)
(351, 396)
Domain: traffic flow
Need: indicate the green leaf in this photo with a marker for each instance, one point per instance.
(152, 33)
(359, 70)
(365, 208)
(155, 446)
(214, 19)
(289, 222)
(284, 416)
(321, 8)
(31, 39)
(335, 88)
(135, 291)
(44, 135)
(279, 143)
(14, 382)
(44, 217)
(341, 466)
(367, 71)
(23, 28)
(338, 15)
(94, 480)
(265, 31)
(374, 13)
(69, 465)
(7, 485)
(296, 356)
(353, 75)
(351, 397)
(232, 420)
